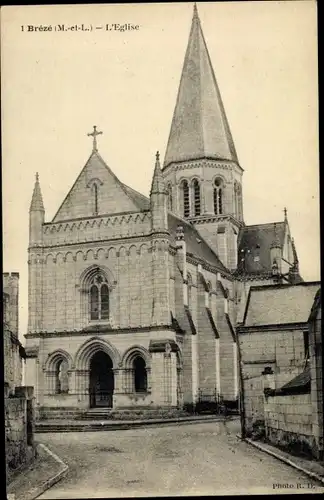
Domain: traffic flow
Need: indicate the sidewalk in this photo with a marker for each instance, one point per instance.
(310, 467)
(44, 472)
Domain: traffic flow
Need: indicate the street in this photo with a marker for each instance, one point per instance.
(198, 459)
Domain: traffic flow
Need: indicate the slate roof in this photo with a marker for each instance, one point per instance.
(195, 244)
(254, 244)
(141, 201)
(199, 126)
(280, 304)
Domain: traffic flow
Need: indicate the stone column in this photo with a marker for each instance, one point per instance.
(164, 372)
(72, 381)
(149, 381)
(195, 368)
(82, 385)
(235, 370)
(118, 380)
(208, 198)
(217, 361)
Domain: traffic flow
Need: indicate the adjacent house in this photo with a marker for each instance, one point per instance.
(281, 359)
(18, 400)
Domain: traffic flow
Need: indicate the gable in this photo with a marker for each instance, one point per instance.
(82, 201)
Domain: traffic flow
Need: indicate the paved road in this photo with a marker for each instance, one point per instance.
(198, 459)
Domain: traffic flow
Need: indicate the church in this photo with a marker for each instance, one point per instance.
(134, 301)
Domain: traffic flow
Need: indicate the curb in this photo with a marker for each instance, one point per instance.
(36, 492)
(293, 464)
(126, 425)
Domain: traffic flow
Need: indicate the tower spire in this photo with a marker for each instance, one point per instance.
(195, 10)
(37, 199)
(199, 126)
(158, 185)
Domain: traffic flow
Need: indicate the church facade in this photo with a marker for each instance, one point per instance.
(134, 301)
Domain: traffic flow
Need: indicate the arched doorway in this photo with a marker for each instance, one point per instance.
(101, 380)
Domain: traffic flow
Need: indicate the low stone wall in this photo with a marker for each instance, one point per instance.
(57, 412)
(288, 423)
(19, 429)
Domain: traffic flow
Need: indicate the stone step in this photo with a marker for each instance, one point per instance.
(111, 426)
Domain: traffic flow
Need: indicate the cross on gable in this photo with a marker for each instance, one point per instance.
(94, 135)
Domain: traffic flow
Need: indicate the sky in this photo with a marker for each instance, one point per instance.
(57, 84)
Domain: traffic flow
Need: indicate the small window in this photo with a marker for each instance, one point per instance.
(189, 290)
(218, 197)
(94, 298)
(306, 344)
(95, 199)
(140, 375)
(61, 377)
(170, 207)
(196, 193)
(99, 299)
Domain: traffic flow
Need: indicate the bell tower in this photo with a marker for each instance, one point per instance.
(201, 170)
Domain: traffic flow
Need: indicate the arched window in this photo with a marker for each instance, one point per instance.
(185, 197)
(236, 210)
(218, 196)
(95, 198)
(189, 290)
(62, 377)
(238, 200)
(140, 374)
(169, 190)
(196, 197)
(99, 298)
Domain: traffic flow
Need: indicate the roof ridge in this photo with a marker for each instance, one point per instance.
(262, 224)
(284, 285)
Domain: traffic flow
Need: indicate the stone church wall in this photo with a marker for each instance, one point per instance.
(64, 303)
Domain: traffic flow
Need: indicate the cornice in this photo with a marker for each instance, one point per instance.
(210, 218)
(204, 161)
(106, 330)
(94, 217)
(244, 329)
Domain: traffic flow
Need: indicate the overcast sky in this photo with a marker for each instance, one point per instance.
(57, 85)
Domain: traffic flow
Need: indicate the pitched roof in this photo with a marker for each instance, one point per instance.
(280, 304)
(141, 201)
(195, 244)
(254, 243)
(300, 383)
(199, 126)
